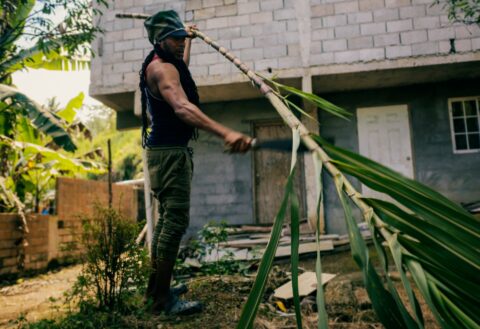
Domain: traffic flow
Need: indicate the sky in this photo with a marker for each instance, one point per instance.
(41, 85)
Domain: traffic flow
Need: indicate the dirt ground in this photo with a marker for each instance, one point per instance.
(348, 305)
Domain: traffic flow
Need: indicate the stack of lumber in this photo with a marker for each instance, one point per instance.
(249, 242)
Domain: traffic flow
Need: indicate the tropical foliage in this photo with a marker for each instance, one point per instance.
(463, 11)
(425, 235)
(30, 135)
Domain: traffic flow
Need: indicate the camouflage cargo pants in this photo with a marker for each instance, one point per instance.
(170, 170)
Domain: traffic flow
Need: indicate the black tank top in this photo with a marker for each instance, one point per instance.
(167, 129)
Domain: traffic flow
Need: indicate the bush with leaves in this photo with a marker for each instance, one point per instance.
(207, 244)
(115, 267)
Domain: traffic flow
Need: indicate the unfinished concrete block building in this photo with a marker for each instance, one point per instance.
(409, 76)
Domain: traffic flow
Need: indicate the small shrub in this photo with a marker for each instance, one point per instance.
(115, 267)
(207, 244)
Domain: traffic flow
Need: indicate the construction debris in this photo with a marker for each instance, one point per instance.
(307, 283)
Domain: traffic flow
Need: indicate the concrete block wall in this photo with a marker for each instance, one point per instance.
(266, 34)
(76, 200)
(37, 251)
(57, 237)
(435, 164)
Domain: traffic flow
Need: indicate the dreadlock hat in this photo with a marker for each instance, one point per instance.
(164, 24)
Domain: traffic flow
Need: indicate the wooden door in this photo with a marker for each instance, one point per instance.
(384, 136)
(271, 170)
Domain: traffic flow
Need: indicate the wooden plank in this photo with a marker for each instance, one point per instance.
(249, 243)
(304, 248)
(307, 283)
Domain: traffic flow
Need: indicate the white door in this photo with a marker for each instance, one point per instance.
(384, 136)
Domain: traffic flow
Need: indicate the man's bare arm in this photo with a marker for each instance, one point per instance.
(167, 80)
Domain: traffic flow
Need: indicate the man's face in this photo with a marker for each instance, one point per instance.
(174, 46)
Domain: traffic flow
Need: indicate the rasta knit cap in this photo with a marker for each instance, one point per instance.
(164, 24)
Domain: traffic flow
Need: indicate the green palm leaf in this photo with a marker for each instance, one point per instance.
(428, 237)
(40, 118)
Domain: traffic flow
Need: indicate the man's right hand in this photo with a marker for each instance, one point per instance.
(236, 142)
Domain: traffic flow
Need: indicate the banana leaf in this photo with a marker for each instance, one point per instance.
(42, 119)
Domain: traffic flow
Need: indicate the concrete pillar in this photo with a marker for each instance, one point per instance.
(310, 184)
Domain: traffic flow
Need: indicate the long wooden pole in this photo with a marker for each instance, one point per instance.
(292, 121)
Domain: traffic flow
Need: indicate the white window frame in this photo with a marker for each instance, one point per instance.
(450, 116)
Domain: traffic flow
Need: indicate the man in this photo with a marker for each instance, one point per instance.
(170, 97)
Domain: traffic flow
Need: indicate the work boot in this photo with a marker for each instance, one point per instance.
(176, 306)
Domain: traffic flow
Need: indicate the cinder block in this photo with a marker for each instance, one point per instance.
(362, 17)
(292, 24)
(373, 54)
(346, 7)
(133, 34)
(133, 55)
(334, 45)
(360, 42)
(226, 10)
(373, 28)
(239, 20)
(348, 31)
(205, 59)
(262, 17)
(444, 47)
(231, 32)
(204, 13)
(467, 31)
(266, 40)
(323, 10)
(251, 54)
(280, 14)
(323, 34)
(397, 3)
(349, 56)
(289, 37)
(336, 20)
(275, 51)
(252, 30)
(288, 62)
(275, 27)
(229, 2)
(413, 37)
(217, 23)
(242, 43)
(398, 51)
(142, 44)
(383, 40)
(294, 50)
(122, 67)
(198, 71)
(476, 44)
(436, 10)
(193, 4)
(113, 36)
(427, 48)
(412, 11)
(248, 7)
(211, 3)
(463, 45)
(265, 64)
(385, 14)
(122, 24)
(400, 25)
(271, 5)
(366, 5)
(123, 45)
(426, 22)
(322, 59)
(219, 69)
(445, 33)
(113, 79)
